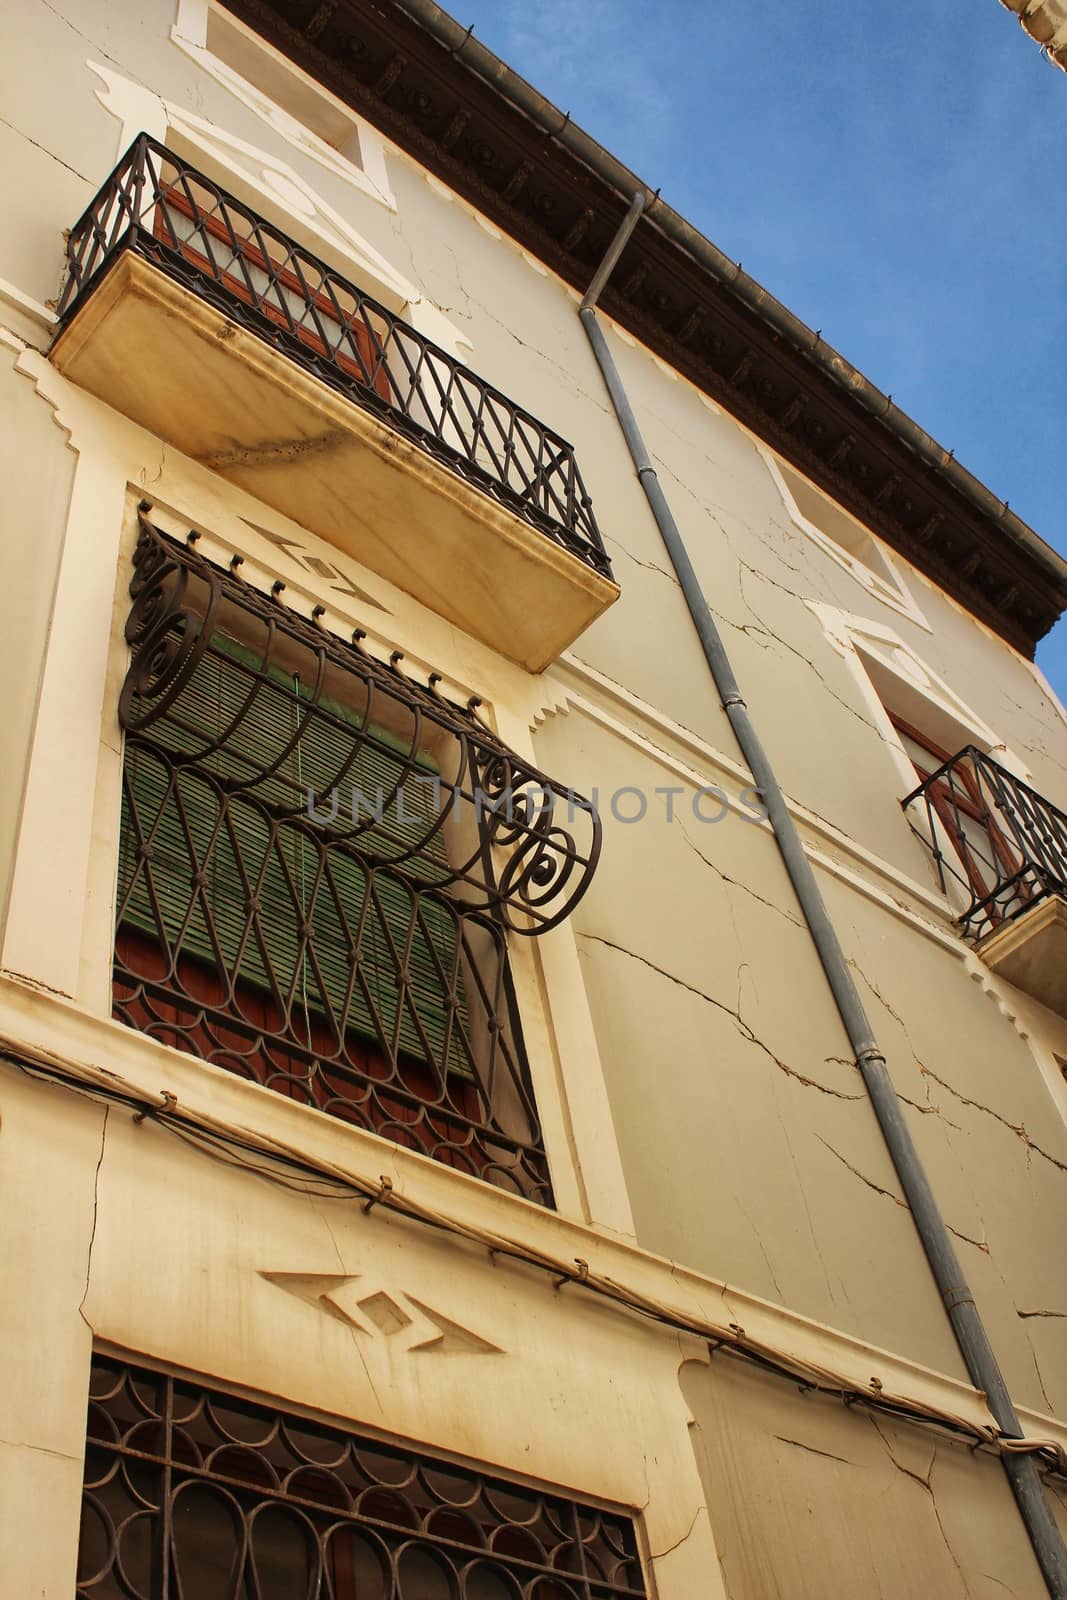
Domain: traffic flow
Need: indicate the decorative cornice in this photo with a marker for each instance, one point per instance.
(466, 131)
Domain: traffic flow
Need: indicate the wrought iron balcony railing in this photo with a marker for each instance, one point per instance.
(1000, 841)
(185, 224)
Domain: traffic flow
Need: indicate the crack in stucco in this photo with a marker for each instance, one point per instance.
(811, 1449)
(92, 1230)
(813, 1232)
(145, 480)
(882, 1001)
(965, 1238)
(794, 594)
(360, 1352)
(1040, 1380)
(799, 654)
(1017, 1129)
(758, 1236)
(59, 15)
(21, 134)
(927, 1484)
(979, 1244)
(908, 1472)
(720, 1005)
(737, 884)
(888, 1193)
(471, 305)
(40, 1449)
(658, 1555)
(929, 1110)
(661, 732)
(649, 566)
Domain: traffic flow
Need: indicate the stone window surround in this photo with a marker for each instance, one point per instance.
(59, 927)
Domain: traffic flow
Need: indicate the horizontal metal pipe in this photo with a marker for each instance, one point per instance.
(948, 1274)
(558, 126)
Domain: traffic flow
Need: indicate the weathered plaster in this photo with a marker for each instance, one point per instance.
(710, 1145)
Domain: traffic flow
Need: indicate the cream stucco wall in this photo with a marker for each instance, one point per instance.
(780, 1473)
(37, 468)
(711, 1149)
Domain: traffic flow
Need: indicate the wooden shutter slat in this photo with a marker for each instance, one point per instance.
(269, 847)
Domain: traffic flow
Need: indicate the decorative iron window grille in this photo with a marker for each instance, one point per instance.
(161, 208)
(1008, 843)
(192, 1493)
(320, 863)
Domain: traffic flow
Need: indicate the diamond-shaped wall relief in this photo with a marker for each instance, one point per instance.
(379, 1313)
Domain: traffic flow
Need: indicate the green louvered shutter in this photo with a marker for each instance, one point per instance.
(222, 850)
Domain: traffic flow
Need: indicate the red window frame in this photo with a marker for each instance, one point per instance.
(966, 797)
(270, 1065)
(173, 197)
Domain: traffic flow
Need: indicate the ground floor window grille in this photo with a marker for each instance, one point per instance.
(321, 864)
(192, 1493)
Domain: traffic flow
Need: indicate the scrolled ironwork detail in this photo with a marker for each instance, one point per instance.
(167, 637)
(537, 842)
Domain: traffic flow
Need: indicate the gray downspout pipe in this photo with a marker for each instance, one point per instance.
(958, 1301)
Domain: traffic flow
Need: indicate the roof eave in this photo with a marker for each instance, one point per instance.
(438, 92)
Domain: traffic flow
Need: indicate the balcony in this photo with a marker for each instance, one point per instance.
(1001, 854)
(203, 322)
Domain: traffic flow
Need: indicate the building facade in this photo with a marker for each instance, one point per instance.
(434, 1161)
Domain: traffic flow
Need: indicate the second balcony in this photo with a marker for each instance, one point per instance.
(1001, 855)
(207, 325)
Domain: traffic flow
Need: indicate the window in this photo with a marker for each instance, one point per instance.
(248, 257)
(194, 1492)
(320, 864)
(307, 116)
(252, 260)
(291, 90)
(834, 521)
(842, 536)
(959, 796)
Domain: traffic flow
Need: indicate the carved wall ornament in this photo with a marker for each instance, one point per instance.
(365, 1306)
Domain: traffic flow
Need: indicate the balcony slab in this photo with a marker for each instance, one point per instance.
(1031, 952)
(179, 367)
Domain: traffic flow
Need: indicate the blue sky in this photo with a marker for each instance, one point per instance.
(893, 174)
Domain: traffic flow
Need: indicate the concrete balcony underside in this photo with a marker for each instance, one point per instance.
(162, 356)
(1031, 952)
